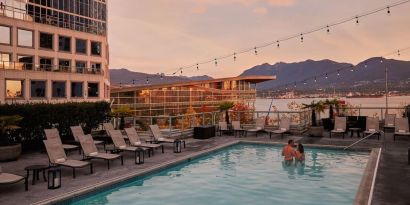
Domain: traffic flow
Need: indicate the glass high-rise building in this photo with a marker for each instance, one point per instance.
(53, 50)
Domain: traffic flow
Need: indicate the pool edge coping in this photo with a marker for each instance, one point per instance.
(141, 172)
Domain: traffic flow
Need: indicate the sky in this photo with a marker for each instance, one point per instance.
(160, 36)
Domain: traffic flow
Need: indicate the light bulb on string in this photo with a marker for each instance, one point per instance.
(326, 76)
(338, 73)
(304, 83)
(357, 20)
(197, 66)
(256, 51)
(216, 62)
(351, 68)
(365, 64)
(278, 45)
(381, 59)
(301, 37)
(147, 82)
(315, 79)
(234, 56)
(327, 29)
(294, 85)
(388, 10)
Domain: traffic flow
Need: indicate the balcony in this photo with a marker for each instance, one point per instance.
(18, 66)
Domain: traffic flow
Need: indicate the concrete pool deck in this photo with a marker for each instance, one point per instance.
(393, 176)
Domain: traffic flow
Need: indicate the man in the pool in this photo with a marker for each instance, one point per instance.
(288, 151)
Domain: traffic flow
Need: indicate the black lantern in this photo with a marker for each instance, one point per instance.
(139, 156)
(54, 178)
(177, 146)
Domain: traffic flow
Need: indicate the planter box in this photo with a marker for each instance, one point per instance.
(10, 153)
(316, 131)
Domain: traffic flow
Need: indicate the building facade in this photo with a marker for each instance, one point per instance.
(178, 98)
(53, 51)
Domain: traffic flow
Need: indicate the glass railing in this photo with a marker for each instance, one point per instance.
(47, 68)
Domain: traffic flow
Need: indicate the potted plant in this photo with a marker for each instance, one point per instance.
(225, 106)
(122, 112)
(8, 149)
(316, 107)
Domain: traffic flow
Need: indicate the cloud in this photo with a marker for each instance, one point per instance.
(199, 10)
(279, 3)
(260, 10)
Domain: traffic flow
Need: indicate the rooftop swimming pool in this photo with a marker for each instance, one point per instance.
(245, 174)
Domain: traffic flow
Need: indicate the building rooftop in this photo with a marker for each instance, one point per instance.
(251, 79)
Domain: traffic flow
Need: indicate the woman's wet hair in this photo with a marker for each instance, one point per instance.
(300, 148)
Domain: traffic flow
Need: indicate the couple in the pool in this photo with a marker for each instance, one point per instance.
(290, 153)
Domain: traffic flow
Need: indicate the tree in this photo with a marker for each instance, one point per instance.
(315, 107)
(225, 106)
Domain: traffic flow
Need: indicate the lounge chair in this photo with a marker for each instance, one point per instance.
(389, 121)
(340, 127)
(7, 178)
(78, 131)
(372, 127)
(90, 151)
(120, 145)
(159, 138)
(402, 128)
(57, 156)
(136, 141)
(284, 127)
(53, 134)
(259, 126)
(236, 125)
(222, 127)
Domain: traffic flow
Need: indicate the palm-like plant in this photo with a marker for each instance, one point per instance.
(225, 106)
(122, 112)
(315, 107)
(334, 102)
(8, 123)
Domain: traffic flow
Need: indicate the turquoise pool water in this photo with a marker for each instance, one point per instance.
(246, 174)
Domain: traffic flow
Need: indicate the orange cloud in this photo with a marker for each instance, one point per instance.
(260, 10)
(281, 2)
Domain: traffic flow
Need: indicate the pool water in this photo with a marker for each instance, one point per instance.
(246, 174)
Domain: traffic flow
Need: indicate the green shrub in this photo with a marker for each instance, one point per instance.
(37, 117)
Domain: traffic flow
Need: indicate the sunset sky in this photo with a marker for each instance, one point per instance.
(163, 35)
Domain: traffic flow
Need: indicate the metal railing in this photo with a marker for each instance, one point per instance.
(379, 112)
(12, 65)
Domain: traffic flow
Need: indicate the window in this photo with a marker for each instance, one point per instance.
(46, 40)
(25, 62)
(14, 88)
(25, 38)
(76, 89)
(5, 60)
(5, 35)
(92, 89)
(64, 65)
(38, 89)
(64, 43)
(58, 89)
(80, 66)
(95, 48)
(95, 67)
(80, 46)
(46, 64)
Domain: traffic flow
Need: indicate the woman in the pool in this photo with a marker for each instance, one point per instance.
(300, 153)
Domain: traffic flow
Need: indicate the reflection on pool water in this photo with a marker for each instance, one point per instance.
(246, 174)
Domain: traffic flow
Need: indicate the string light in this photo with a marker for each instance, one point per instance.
(197, 66)
(381, 59)
(147, 82)
(315, 79)
(256, 51)
(338, 73)
(216, 62)
(398, 53)
(234, 56)
(133, 82)
(162, 76)
(304, 83)
(294, 85)
(327, 27)
(365, 64)
(351, 68)
(326, 76)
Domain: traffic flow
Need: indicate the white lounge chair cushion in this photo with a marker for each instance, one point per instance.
(339, 129)
(372, 130)
(69, 146)
(6, 178)
(93, 154)
(60, 160)
(137, 143)
(123, 147)
(402, 131)
(74, 163)
(390, 124)
(283, 129)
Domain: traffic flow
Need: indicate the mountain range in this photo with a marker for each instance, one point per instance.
(367, 74)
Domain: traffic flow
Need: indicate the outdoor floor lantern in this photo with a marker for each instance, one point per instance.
(177, 146)
(54, 178)
(139, 156)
